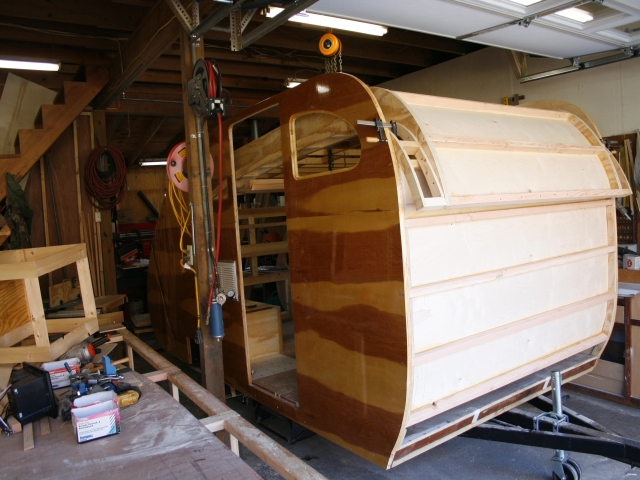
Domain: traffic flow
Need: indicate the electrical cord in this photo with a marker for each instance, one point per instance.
(106, 188)
(183, 216)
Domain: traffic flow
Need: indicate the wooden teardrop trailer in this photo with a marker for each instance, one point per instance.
(434, 279)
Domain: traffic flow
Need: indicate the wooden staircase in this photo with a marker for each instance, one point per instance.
(51, 121)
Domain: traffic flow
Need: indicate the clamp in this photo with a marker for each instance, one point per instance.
(380, 126)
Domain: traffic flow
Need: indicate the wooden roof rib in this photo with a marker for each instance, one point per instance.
(137, 41)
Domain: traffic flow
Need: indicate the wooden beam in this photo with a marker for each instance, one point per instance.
(307, 40)
(101, 14)
(143, 141)
(153, 35)
(102, 137)
(210, 349)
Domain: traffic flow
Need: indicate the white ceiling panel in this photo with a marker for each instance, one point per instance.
(534, 38)
(440, 17)
(615, 24)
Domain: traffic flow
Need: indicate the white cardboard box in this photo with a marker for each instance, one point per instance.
(95, 416)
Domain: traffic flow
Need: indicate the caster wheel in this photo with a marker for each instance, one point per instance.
(570, 472)
(575, 465)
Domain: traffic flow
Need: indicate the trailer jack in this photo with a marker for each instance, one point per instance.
(561, 429)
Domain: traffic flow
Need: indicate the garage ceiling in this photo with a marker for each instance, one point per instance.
(145, 120)
(615, 24)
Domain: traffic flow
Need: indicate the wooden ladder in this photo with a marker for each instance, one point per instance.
(51, 122)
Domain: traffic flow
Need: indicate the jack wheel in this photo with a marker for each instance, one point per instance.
(571, 471)
(575, 465)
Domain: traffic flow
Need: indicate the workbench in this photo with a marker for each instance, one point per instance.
(159, 439)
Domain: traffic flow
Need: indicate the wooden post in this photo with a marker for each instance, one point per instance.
(106, 229)
(210, 349)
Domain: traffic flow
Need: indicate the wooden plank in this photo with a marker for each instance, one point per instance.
(266, 212)
(74, 337)
(445, 141)
(260, 249)
(264, 328)
(25, 354)
(62, 293)
(265, 278)
(215, 423)
(16, 335)
(210, 349)
(36, 311)
(108, 303)
(5, 232)
(27, 434)
(45, 427)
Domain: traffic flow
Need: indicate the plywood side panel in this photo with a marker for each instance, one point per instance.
(445, 376)
(14, 311)
(170, 289)
(150, 180)
(455, 250)
(635, 362)
(62, 182)
(461, 312)
(485, 172)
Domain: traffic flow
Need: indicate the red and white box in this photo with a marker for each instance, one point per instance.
(95, 416)
(58, 372)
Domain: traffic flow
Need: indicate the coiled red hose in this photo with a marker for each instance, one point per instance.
(106, 188)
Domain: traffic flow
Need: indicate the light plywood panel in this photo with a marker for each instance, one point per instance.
(447, 316)
(265, 331)
(495, 125)
(462, 370)
(13, 306)
(458, 249)
(485, 172)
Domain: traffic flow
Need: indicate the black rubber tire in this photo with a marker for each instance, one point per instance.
(569, 472)
(575, 465)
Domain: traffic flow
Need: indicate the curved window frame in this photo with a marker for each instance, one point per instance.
(294, 148)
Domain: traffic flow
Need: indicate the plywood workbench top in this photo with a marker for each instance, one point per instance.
(160, 439)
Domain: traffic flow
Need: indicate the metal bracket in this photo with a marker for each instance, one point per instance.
(380, 126)
(216, 17)
(235, 27)
(181, 14)
(247, 18)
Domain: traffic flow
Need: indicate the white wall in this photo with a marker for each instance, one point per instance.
(609, 94)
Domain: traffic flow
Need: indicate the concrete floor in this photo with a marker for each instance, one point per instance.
(457, 459)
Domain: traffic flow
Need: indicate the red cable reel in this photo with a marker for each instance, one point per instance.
(176, 170)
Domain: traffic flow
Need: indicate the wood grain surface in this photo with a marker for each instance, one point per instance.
(170, 288)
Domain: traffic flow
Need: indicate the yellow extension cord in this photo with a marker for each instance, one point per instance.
(183, 215)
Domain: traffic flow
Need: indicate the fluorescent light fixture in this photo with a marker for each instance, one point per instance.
(332, 22)
(28, 65)
(576, 14)
(293, 82)
(153, 162)
(526, 3)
